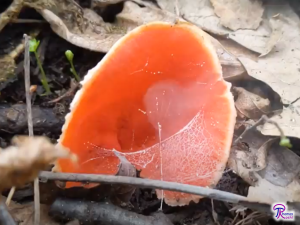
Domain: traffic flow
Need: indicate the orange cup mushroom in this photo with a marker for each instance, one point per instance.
(159, 98)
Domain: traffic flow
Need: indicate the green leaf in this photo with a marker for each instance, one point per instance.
(33, 45)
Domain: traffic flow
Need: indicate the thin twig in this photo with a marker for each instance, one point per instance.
(30, 125)
(73, 86)
(157, 184)
(11, 13)
(262, 120)
(10, 195)
(27, 21)
(176, 5)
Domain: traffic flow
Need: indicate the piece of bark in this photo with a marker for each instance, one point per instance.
(102, 213)
(13, 119)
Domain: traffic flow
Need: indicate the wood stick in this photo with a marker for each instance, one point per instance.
(30, 125)
(157, 184)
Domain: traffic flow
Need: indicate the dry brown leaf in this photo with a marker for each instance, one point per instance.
(124, 192)
(278, 181)
(249, 155)
(288, 120)
(21, 162)
(271, 170)
(275, 36)
(23, 213)
(201, 13)
(231, 66)
(280, 70)
(236, 14)
(96, 35)
(103, 3)
(249, 104)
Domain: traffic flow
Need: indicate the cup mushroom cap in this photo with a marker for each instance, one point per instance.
(159, 98)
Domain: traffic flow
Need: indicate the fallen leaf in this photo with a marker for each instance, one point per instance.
(88, 30)
(278, 181)
(125, 167)
(236, 14)
(275, 36)
(21, 162)
(249, 104)
(103, 3)
(201, 13)
(231, 67)
(249, 155)
(24, 214)
(124, 192)
(271, 170)
(288, 120)
(280, 70)
(81, 27)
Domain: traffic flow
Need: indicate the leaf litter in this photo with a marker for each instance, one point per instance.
(21, 162)
(272, 38)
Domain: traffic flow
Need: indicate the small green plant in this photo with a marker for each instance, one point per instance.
(285, 142)
(69, 54)
(33, 46)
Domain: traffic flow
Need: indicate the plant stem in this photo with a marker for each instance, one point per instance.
(44, 78)
(74, 72)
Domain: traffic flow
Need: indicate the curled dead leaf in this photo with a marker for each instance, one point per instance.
(124, 192)
(278, 181)
(270, 169)
(236, 14)
(201, 13)
(102, 3)
(280, 70)
(249, 154)
(249, 104)
(289, 121)
(86, 29)
(275, 36)
(21, 162)
(23, 213)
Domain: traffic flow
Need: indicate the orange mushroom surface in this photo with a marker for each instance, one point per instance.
(157, 97)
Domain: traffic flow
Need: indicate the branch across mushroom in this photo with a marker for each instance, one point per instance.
(157, 97)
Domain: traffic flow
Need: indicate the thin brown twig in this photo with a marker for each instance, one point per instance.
(73, 86)
(139, 182)
(264, 119)
(11, 13)
(27, 21)
(251, 216)
(176, 6)
(10, 195)
(30, 124)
